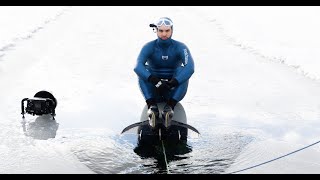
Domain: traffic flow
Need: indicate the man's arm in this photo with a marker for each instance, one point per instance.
(188, 63)
(140, 68)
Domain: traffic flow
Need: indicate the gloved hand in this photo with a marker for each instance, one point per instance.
(172, 83)
(154, 80)
(160, 85)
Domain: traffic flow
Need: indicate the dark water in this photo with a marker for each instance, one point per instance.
(178, 151)
(129, 154)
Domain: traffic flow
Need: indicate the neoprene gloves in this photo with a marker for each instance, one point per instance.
(162, 85)
(173, 83)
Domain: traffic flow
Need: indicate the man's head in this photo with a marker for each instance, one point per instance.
(164, 28)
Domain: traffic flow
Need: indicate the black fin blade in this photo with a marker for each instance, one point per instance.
(173, 122)
(135, 125)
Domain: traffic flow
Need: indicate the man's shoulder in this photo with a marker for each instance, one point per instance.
(179, 43)
(150, 43)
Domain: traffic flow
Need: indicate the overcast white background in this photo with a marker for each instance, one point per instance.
(257, 75)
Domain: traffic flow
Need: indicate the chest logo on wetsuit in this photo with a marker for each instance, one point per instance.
(165, 57)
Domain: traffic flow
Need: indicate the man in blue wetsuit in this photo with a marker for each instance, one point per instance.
(164, 67)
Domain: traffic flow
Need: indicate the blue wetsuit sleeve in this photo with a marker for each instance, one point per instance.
(188, 63)
(140, 68)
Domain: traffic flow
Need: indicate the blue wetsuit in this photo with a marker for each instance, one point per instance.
(164, 59)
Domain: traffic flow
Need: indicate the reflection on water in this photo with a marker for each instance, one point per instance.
(105, 153)
(161, 144)
(169, 148)
(177, 152)
(42, 128)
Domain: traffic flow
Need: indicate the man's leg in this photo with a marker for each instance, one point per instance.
(176, 95)
(148, 91)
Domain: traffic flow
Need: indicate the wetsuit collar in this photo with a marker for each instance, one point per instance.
(164, 43)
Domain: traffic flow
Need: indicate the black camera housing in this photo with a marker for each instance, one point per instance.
(42, 103)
